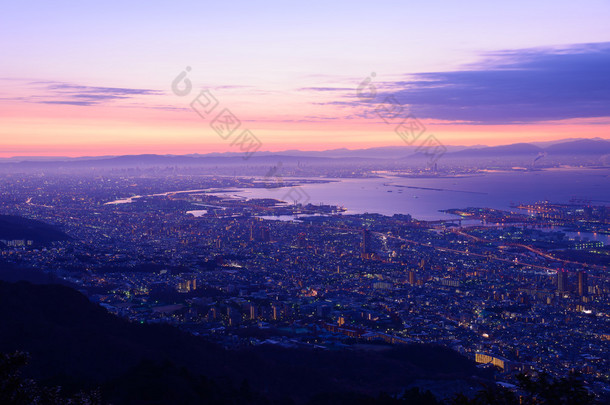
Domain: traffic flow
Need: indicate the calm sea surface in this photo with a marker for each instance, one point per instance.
(424, 197)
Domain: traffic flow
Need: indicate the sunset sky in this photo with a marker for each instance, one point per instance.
(82, 78)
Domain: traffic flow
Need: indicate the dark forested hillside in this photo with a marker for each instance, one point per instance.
(73, 342)
(14, 227)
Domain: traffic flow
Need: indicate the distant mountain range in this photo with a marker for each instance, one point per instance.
(580, 147)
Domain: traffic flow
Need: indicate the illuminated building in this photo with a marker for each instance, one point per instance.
(366, 249)
(582, 283)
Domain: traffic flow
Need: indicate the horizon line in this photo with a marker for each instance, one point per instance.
(259, 153)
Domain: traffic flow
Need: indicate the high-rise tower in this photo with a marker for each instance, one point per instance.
(562, 280)
(366, 249)
(583, 287)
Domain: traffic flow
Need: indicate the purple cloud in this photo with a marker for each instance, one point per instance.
(72, 94)
(520, 86)
(79, 103)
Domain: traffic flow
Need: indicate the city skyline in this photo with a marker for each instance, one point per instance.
(338, 202)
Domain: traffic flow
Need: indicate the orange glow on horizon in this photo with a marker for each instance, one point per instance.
(31, 129)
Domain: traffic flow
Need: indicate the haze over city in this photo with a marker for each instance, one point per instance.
(305, 203)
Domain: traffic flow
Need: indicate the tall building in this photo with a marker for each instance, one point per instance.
(412, 277)
(252, 311)
(562, 281)
(259, 233)
(188, 285)
(583, 287)
(301, 240)
(276, 311)
(366, 248)
(265, 236)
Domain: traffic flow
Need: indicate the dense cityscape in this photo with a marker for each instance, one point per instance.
(304, 203)
(507, 289)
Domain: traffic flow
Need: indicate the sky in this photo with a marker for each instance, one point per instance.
(84, 78)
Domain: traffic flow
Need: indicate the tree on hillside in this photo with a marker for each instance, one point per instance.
(540, 390)
(16, 390)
